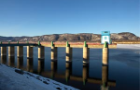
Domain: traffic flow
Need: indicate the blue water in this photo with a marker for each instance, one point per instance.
(123, 67)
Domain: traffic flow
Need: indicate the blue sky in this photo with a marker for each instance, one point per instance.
(41, 17)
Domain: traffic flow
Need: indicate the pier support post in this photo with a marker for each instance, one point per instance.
(3, 50)
(85, 73)
(19, 62)
(11, 51)
(68, 52)
(85, 54)
(41, 52)
(29, 52)
(105, 54)
(53, 52)
(19, 51)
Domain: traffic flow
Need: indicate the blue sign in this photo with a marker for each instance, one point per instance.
(105, 37)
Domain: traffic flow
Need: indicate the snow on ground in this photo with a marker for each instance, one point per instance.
(16, 79)
(128, 46)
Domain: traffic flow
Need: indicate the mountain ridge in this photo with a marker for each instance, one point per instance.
(80, 37)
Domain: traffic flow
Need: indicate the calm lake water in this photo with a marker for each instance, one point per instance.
(122, 72)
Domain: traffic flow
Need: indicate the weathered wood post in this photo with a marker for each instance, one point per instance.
(19, 51)
(85, 54)
(20, 62)
(68, 71)
(68, 52)
(29, 52)
(53, 51)
(40, 51)
(3, 51)
(40, 58)
(104, 77)
(105, 54)
(85, 73)
(11, 51)
(19, 56)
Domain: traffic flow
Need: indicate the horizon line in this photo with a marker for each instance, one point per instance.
(65, 33)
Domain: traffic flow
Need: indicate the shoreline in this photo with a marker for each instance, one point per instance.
(16, 79)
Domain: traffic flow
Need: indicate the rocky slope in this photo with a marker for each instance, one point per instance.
(124, 36)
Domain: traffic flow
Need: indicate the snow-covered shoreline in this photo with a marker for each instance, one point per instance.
(16, 79)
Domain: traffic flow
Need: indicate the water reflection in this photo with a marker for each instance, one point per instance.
(53, 69)
(67, 76)
(103, 82)
(104, 85)
(30, 64)
(40, 65)
(4, 59)
(68, 71)
(20, 62)
(85, 73)
(11, 61)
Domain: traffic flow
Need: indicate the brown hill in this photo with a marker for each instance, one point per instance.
(124, 36)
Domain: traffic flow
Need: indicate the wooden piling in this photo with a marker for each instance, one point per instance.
(19, 51)
(85, 54)
(68, 53)
(3, 51)
(41, 52)
(105, 54)
(29, 52)
(53, 52)
(11, 51)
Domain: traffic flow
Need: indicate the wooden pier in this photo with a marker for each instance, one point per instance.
(54, 45)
